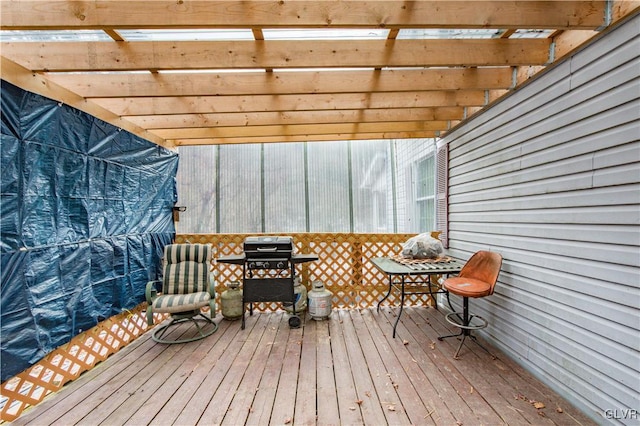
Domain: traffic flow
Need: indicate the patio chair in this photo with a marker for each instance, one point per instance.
(187, 286)
(476, 279)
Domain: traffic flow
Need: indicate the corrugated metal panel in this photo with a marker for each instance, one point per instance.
(329, 187)
(284, 188)
(240, 199)
(549, 177)
(340, 186)
(196, 186)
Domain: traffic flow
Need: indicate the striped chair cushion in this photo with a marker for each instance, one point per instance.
(186, 268)
(180, 302)
(176, 253)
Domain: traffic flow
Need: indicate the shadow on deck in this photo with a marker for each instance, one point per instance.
(345, 370)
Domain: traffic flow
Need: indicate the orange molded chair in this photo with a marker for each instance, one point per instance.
(476, 279)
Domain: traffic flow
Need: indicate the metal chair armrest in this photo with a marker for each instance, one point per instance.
(150, 292)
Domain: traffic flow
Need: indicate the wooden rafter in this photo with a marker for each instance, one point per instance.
(178, 121)
(306, 102)
(306, 138)
(110, 56)
(52, 14)
(19, 76)
(300, 129)
(261, 90)
(260, 83)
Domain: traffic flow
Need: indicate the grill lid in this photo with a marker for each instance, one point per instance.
(265, 247)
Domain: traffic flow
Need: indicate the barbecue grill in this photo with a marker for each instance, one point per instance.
(268, 271)
(268, 252)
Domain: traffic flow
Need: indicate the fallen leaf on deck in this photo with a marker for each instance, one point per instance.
(538, 405)
(352, 408)
(559, 410)
(368, 394)
(405, 342)
(391, 408)
(359, 402)
(433, 345)
(287, 420)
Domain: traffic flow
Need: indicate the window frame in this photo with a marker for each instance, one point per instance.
(416, 198)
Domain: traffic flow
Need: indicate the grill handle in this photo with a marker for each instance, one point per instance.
(267, 249)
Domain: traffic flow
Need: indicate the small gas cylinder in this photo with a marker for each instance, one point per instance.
(319, 301)
(231, 301)
(300, 293)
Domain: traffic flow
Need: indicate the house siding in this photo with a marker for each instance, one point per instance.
(407, 153)
(550, 178)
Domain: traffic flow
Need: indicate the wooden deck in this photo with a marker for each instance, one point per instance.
(346, 370)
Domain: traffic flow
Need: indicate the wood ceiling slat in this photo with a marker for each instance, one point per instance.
(306, 102)
(307, 138)
(296, 117)
(51, 14)
(193, 108)
(23, 78)
(299, 129)
(109, 56)
(215, 84)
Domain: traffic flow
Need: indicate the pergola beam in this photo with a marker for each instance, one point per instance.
(306, 138)
(25, 79)
(281, 83)
(263, 90)
(194, 55)
(297, 117)
(300, 129)
(283, 103)
(124, 14)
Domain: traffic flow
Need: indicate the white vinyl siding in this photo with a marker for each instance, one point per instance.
(550, 178)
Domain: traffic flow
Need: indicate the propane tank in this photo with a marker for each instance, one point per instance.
(319, 301)
(231, 301)
(300, 297)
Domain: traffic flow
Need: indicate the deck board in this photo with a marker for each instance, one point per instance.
(260, 412)
(344, 370)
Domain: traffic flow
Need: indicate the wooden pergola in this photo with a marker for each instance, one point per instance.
(194, 92)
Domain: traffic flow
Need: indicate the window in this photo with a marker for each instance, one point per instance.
(423, 192)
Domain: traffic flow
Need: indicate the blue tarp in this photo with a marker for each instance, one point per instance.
(86, 211)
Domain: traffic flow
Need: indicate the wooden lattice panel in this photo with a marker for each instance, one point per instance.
(343, 264)
(67, 362)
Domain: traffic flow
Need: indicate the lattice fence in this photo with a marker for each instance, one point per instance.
(343, 264)
(67, 362)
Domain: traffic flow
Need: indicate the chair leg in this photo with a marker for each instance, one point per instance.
(465, 326)
(464, 336)
(176, 318)
(451, 335)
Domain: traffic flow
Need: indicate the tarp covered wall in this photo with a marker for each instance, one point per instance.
(86, 210)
